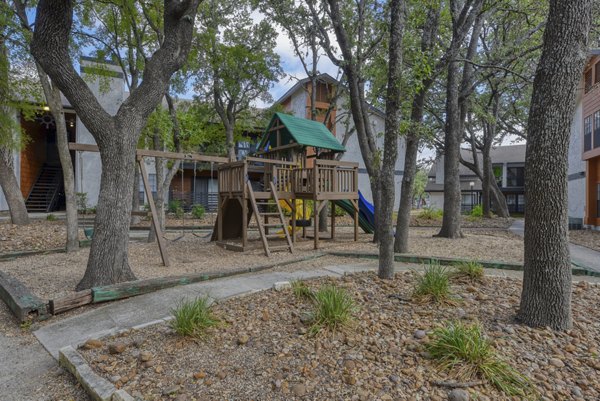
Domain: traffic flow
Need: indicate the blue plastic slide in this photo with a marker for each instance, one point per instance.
(366, 212)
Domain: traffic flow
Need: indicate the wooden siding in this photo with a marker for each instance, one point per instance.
(591, 191)
(33, 156)
(591, 104)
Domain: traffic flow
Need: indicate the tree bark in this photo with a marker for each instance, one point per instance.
(52, 94)
(117, 136)
(8, 180)
(10, 187)
(412, 139)
(463, 19)
(390, 149)
(546, 294)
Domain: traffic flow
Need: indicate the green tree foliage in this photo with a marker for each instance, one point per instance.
(236, 61)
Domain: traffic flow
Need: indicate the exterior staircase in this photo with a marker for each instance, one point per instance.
(46, 191)
(260, 208)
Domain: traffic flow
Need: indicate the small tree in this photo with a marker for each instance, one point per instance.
(236, 63)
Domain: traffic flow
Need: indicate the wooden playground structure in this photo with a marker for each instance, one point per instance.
(295, 170)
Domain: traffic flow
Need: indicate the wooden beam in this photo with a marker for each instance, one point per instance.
(155, 223)
(278, 148)
(270, 161)
(336, 163)
(20, 300)
(69, 302)
(156, 153)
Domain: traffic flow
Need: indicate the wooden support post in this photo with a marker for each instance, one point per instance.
(293, 209)
(155, 222)
(316, 217)
(316, 188)
(355, 203)
(332, 210)
(244, 223)
(222, 200)
(304, 215)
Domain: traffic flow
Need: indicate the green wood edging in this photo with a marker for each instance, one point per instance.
(5, 257)
(577, 270)
(22, 302)
(133, 288)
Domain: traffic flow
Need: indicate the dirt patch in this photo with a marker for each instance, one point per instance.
(261, 349)
(39, 235)
(55, 275)
(466, 222)
(587, 238)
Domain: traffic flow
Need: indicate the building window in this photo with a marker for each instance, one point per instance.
(597, 129)
(515, 176)
(152, 181)
(588, 80)
(243, 149)
(597, 72)
(587, 133)
(498, 172)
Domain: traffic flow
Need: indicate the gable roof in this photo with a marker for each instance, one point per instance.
(324, 77)
(303, 132)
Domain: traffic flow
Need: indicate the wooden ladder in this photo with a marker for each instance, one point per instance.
(279, 224)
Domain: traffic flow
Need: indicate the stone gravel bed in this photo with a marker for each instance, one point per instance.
(261, 350)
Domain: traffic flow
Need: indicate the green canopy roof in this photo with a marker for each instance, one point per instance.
(302, 131)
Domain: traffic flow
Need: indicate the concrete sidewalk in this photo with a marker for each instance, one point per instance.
(580, 255)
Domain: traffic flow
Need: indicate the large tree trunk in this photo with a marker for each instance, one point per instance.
(108, 263)
(390, 147)
(135, 200)
(8, 181)
(10, 187)
(451, 226)
(546, 294)
(486, 183)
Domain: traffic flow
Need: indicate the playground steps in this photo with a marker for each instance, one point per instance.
(263, 224)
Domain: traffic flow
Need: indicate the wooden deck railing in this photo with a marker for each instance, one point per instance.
(324, 177)
(232, 177)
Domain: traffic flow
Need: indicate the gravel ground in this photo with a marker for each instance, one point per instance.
(36, 236)
(27, 371)
(261, 350)
(55, 275)
(587, 238)
(466, 222)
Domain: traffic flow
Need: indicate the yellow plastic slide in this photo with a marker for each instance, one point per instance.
(299, 213)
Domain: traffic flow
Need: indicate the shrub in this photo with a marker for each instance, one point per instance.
(333, 308)
(301, 290)
(465, 350)
(198, 211)
(193, 318)
(176, 208)
(477, 211)
(433, 284)
(339, 212)
(430, 213)
(472, 270)
(51, 217)
(81, 202)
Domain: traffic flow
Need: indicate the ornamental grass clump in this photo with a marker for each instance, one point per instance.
(433, 284)
(430, 213)
(333, 309)
(192, 318)
(301, 290)
(468, 354)
(471, 270)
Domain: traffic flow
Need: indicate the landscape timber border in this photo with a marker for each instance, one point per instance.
(25, 305)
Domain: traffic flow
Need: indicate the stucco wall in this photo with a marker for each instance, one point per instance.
(577, 167)
(353, 153)
(436, 200)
